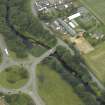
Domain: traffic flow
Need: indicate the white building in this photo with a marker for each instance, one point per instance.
(72, 25)
(6, 51)
(74, 16)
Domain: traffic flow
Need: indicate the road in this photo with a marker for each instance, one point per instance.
(62, 43)
(30, 64)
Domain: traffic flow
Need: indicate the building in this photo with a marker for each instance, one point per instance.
(42, 5)
(67, 27)
(74, 16)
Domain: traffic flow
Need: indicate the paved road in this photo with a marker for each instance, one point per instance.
(62, 43)
(32, 82)
(30, 65)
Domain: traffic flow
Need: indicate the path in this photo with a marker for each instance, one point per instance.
(30, 64)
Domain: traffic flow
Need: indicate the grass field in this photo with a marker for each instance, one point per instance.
(96, 61)
(54, 90)
(97, 7)
(13, 77)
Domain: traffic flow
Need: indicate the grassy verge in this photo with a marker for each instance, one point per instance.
(37, 51)
(53, 89)
(13, 77)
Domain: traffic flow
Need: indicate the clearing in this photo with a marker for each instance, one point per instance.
(97, 7)
(83, 45)
(13, 77)
(53, 89)
(17, 99)
(96, 61)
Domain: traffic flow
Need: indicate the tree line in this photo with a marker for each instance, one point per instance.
(70, 69)
(18, 25)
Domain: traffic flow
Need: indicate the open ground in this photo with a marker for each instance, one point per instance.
(97, 7)
(96, 61)
(53, 89)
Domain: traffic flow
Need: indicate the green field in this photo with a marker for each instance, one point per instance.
(13, 77)
(96, 61)
(54, 90)
(97, 7)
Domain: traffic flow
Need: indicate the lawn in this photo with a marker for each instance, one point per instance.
(17, 99)
(53, 89)
(96, 61)
(97, 7)
(13, 77)
(37, 50)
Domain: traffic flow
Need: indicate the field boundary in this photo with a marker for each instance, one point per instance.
(92, 11)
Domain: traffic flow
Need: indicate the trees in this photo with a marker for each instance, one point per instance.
(23, 21)
(70, 69)
(20, 98)
(16, 20)
(86, 95)
(74, 63)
